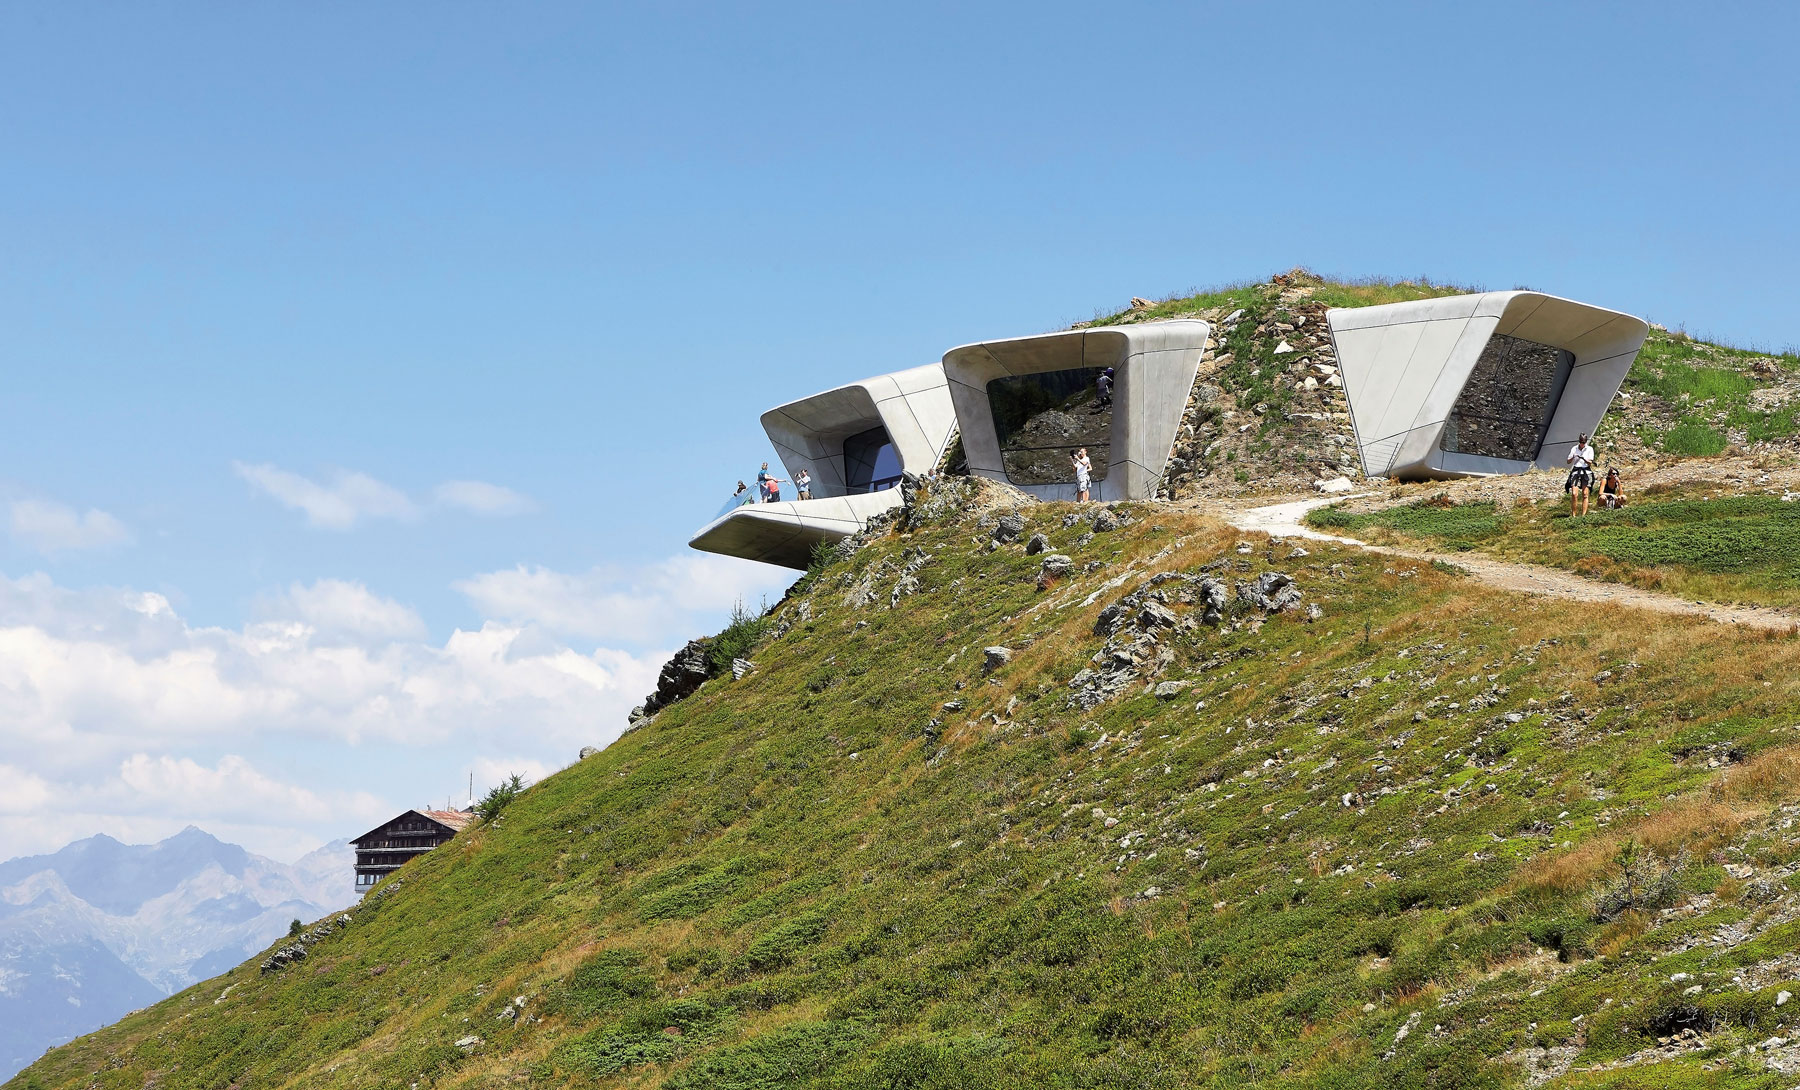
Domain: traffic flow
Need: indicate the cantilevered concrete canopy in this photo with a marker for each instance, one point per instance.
(785, 533)
(1478, 384)
(1020, 431)
(856, 441)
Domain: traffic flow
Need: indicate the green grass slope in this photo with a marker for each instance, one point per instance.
(1739, 546)
(1406, 832)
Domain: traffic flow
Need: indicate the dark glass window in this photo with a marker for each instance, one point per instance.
(1506, 407)
(870, 461)
(1042, 419)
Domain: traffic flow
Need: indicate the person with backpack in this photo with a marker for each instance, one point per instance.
(1580, 482)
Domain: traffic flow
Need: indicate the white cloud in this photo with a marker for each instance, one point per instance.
(489, 771)
(122, 716)
(337, 607)
(53, 527)
(482, 498)
(338, 505)
(232, 788)
(20, 791)
(650, 605)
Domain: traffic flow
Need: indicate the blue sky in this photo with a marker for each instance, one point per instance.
(379, 359)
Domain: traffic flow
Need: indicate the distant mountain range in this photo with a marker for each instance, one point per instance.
(101, 928)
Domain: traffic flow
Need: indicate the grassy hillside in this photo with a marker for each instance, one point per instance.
(1405, 831)
(1742, 546)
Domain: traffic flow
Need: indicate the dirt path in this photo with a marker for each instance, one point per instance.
(1284, 520)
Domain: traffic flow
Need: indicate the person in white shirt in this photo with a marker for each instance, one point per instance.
(1083, 473)
(803, 483)
(1581, 474)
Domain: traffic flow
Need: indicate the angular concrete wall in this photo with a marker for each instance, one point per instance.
(1405, 365)
(1154, 366)
(912, 405)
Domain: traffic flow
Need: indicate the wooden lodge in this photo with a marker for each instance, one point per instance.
(383, 849)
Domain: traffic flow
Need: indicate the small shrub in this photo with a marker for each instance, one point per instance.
(499, 797)
(740, 637)
(1641, 886)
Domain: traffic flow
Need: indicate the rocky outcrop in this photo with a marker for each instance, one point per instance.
(680, 676)
(1142, 628)
(296, 950)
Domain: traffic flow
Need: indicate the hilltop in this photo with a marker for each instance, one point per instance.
(1039, 795)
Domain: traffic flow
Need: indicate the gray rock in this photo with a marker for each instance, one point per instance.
(1169, 690)
(1036, 545)
(1058, 565)
(1009, 528)
(1270, 592)
(740, 667)
(588, 751)
(469, 1043)
(1156, 615)
(1071, 519)
(1104, 520)
(1086, 537)
(904, 586)
(680, 676)
(1110, 619)
(996, 658)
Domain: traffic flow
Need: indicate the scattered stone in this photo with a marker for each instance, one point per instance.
(740, 667)
(1156, 615)
(1270, 592)
(588, 751)
(1169, 690)
(1038, 543)
(1334, 486)
(469, 1043)
(1283, 348)
(1104, 520)
(996, 658)
(1008, 528)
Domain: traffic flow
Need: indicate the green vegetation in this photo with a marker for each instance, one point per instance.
(1370, 850)
(499, 797)
(741, 634)
(1732, 548)
(1461, 526)
(1705, 393)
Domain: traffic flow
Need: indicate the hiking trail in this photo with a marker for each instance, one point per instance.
(1285, 520)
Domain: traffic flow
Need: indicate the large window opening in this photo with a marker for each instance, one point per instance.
(1506, 407)
(870, 462)
(1042, 419)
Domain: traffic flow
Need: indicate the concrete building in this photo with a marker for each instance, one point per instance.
(856, 441)
(1472, 385)
(1025, 403)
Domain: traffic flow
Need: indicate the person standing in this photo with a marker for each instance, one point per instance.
(803, 484)
(1581, 474)
(1084, 471)
(1105, 384)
